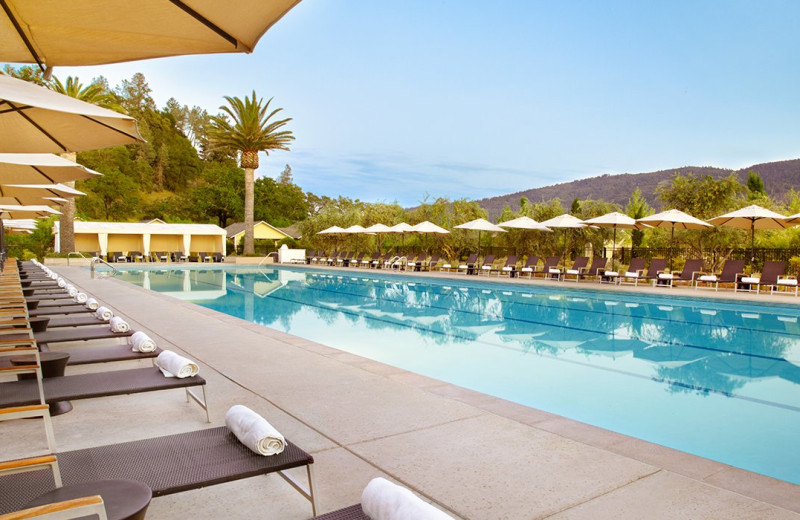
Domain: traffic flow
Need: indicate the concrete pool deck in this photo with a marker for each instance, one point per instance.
(473, 455)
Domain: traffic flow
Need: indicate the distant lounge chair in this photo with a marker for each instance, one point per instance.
(787, 282)
(416, 264)
(597, 268)
(530, 266)
(178, 256)
(486, 265)
(691, 269)
(469, 266)
(431, 264)
(381, 261)
(367, 262)
(550, 267)
(635, 270)
(578, 266)
(169, 464)
(136, 256)
(218, 257)
(730, 272)
(634, 276)
(768, 278)
(117, 256)
(509, 268)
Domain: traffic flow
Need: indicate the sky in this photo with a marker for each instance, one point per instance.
(403, 101)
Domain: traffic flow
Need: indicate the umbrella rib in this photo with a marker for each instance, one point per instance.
(126, 134)
(43, 174)
(205, 21)
(20, 111)
(22, 35)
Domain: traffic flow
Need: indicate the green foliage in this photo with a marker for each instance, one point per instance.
(279, 203)
(115, 197)
(30, 73)
(575, 208)
(36, 245)
(219, 194)
(636, 208)
(703, 198)
(755, 185)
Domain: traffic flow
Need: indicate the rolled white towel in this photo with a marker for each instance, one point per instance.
(81, 297)
(254, 431)
(52, 275)
(141, 342)
(119, 325)
(175, 365)
(104, 313)
(72, 290)
(61, 282)
(92, 304)
(382, 500)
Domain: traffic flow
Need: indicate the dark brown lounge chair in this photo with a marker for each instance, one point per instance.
(75, 321)
(768, 278)
(169, 464)
(635, 270)
(78, 334)
(578, 267)
(730, 272)
(103, 354)
(348, 513)
(691, 269)
(551, 263)
(97, 384)
(509, 268)
(486, 265)
(530, 266)
(74, 308)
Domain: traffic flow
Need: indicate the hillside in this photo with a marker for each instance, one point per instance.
(778, 178)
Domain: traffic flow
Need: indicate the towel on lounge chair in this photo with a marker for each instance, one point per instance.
(61, 282)
(118, 324)
(175, 365)
(72, 290)
(141, 342)
(81, 297)
(92, 304)
(382, 500)
(104, 313)
(254, 431)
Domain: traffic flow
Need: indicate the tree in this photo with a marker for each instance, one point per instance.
(96, 93)
(116, 197)
(249, 132)
(636, 208)
(755, 185)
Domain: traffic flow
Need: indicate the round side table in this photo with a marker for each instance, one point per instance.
(53, 365)
(123, 499)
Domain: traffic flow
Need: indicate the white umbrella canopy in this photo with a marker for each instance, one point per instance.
(674, 218)
(354, 229)
(35, 194)
(94, 32)
(615, 220)
(480, 225)
(793, 220)
(41, 168)
(16, 211)
(401, 228)
(429, 227)
(378, 228)
(333, 230)
(752, 218)
(524, 223)
(35, 119)
(567, 222)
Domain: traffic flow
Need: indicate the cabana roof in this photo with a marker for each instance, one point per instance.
(153, 228)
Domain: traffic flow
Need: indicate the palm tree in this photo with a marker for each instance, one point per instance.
(250, 132)
(96, 93)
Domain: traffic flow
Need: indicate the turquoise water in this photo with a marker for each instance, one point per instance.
(706, 376)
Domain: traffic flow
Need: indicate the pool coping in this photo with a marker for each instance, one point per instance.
(723, 476)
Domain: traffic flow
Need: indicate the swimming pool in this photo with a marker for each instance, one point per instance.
(710, 377)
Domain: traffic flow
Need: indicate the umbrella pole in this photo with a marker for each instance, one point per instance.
(752, 243)
(565, 247)
(613, 250)
(479, 243)
(671, 238)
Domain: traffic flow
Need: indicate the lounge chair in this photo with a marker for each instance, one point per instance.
(416, 264)
(788, 282)
(768, 278)
(343, 260)
(531, 265)
(218, 257)
(98, 384)
(486, 265)
(117, 256)
(367, 262)
(635, 269)
(656, 267)
(169, 464)
(78, 334)
(596, 269)
(348, 513)
(203, 257)
(509, 268)
(578, 266)
(432, 263)
(356, 261)
(550, 267)
(381, 261)
(178, 256)
(691, 269)
(136, 256)
(469, 266)
(730, 272)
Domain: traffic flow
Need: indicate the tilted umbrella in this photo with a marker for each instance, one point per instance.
(524, 223)
(40, 168)
(16, 211)
(24, 194)
(35, 119)
(333, 230)
(615, 220)
(94, 32)
(674, 218)
(567, 222)
(793, 220)
(752, 218)
(480, 224)
(429, 227)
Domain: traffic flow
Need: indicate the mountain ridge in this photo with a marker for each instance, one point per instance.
(778, 177)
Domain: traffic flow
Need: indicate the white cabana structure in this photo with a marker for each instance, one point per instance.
(148, 237)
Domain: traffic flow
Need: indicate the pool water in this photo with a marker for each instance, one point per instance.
(706, 376)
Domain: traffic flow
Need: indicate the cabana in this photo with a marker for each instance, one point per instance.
(261, 231)
(145, 237)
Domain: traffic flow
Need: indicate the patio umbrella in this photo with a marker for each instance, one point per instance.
(429, 227)
(752, 218)
(35, 119)
(615, 220)
(23, 194)
(402, 228)
(672, 219)
(480, 225)
(16, 211)
(94, 32)
(567, 222)
(524, 223)
(793, 220)
(40, 168)
(378, 229)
